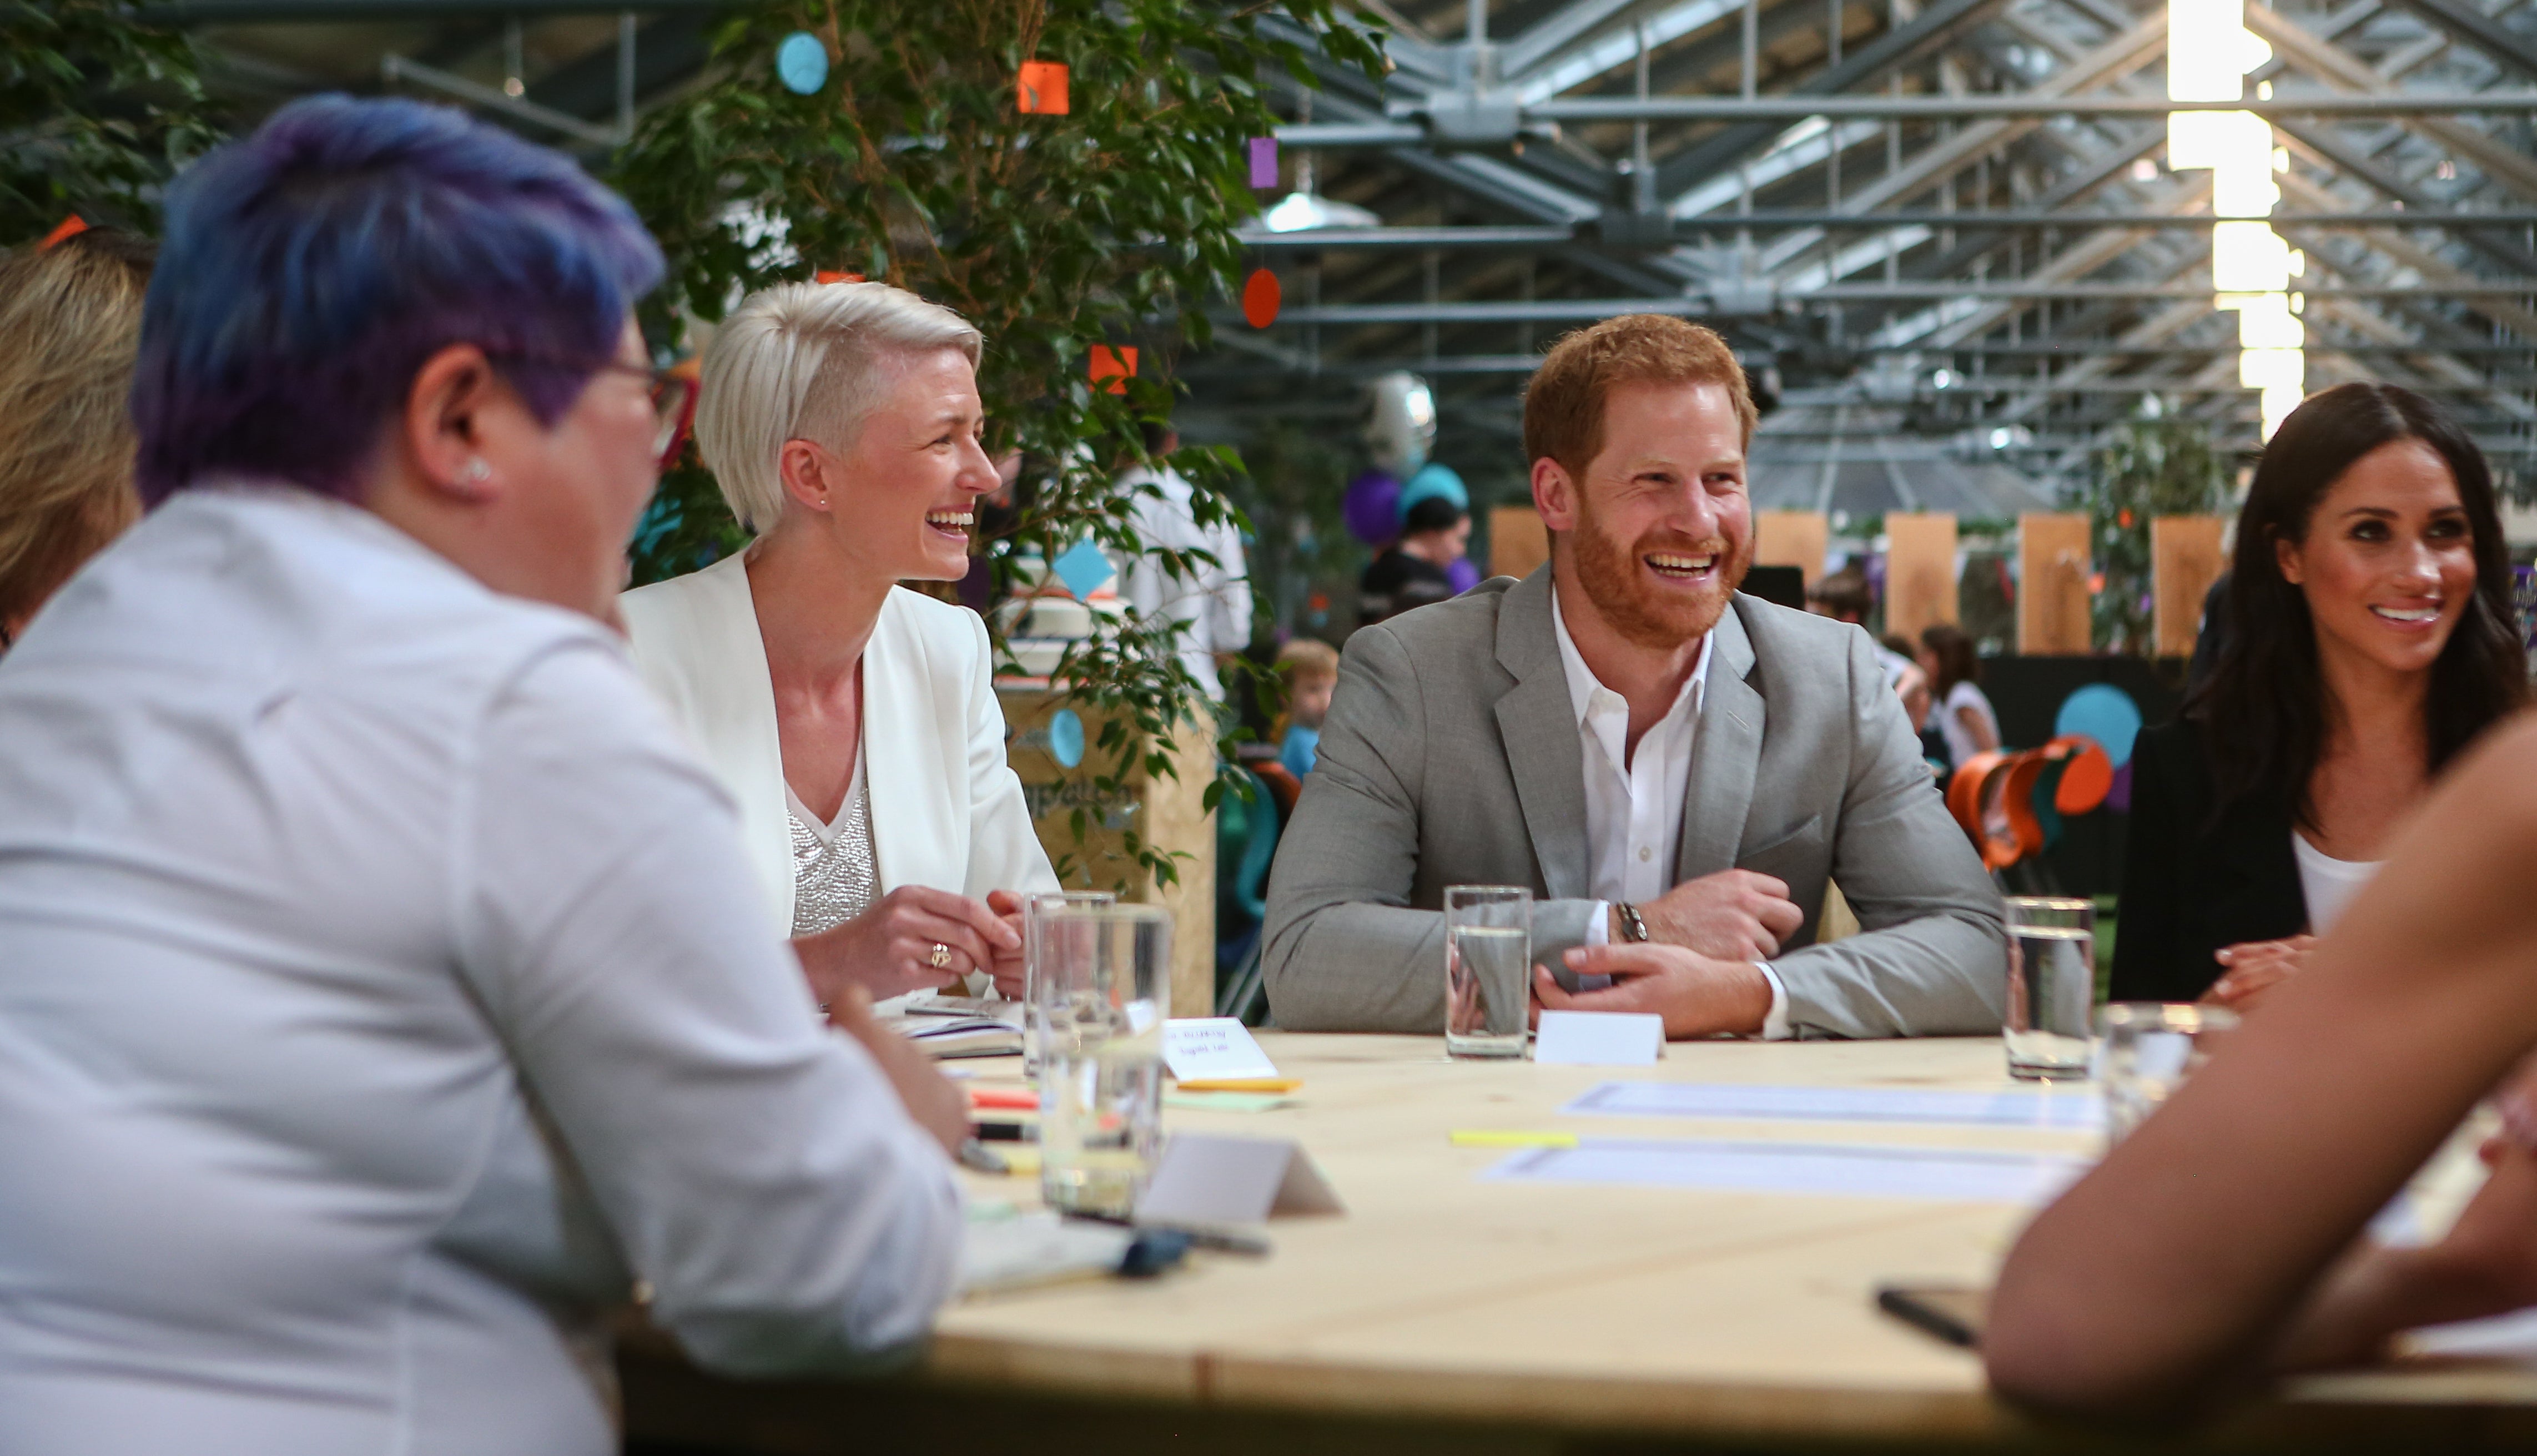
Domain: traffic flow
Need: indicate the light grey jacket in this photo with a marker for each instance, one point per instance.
(1452, 756)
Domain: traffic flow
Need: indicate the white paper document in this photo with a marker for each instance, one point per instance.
(1213, 1049)
(1832, 1168)
(1204, 1179)
(2054, 1111)
(1599, 1039)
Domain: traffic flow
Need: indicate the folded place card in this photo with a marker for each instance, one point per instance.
(1213, 1049)
(1599, 1039)
(1206, 1180)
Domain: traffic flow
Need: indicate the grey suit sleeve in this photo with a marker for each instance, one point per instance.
(1342, 950)
(1933, 957)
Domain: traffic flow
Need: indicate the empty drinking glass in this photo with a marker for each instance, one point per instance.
(1035, 905)
(1104, 991)
(1488, 970)
(2052, 985)
(2145, 1049)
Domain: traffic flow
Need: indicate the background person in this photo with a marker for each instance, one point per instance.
(854, 720)
(385, 988)
(1208, 605)
(2222, 1240)
(1962, 711)
(1417, 569)
(1540, 733)
(2369, 637)
(71, 315)
(1312, 671)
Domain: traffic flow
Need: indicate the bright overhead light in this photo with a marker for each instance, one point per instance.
(2209, 53)
(1302, 212)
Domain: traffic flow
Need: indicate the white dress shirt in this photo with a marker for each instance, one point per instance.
(385, 992)
(1634, 801)
(1210, 605)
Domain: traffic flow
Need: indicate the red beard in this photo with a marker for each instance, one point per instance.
(1643, 614)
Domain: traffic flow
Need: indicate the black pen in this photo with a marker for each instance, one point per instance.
(1224, 1240)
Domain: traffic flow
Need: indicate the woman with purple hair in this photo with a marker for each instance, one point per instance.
(386, 990)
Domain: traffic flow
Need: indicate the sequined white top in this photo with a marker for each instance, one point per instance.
(836, 875)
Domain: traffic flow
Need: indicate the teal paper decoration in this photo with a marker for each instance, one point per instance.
(1083, 567)
(802, 63)
(1066, 737)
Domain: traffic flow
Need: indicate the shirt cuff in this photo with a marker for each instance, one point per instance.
(1775, 1026)
(1598, 932)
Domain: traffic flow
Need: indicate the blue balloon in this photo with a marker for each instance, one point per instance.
(2105, 712)
(802, 63)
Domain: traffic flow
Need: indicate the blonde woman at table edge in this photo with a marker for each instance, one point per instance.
(2223, 1239)
(853, 720)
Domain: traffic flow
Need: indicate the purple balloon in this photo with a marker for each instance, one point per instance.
(2120, 797)
(1371, 508)
(1464, 574)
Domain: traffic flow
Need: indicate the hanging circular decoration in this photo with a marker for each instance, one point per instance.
(1369, 508)
(2105, 712)
(802, 63)
(1259, 299)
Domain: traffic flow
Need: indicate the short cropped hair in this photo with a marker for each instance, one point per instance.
(802, 361)
(1563, 406)
(71, 314)
(311, 269)
(1305, 659)
(1435, 513)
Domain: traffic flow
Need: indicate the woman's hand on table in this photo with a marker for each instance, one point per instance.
(889, 949)
(934, 1101)
(2254, 968)
(1006, 966)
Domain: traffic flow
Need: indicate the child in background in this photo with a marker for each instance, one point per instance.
(1311, 669)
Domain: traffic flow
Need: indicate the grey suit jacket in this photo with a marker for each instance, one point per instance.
(1452, 756)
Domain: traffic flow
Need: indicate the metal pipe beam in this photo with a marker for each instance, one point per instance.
(394, 68)
(2014, 107)
(1321, 239)
(261, 12)
(2486, 32)
(1699, 305)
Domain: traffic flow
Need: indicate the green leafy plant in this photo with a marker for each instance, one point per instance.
(1111, 225)
(97, 110)
(2158, 466)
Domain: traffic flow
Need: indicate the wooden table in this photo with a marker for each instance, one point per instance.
(1536, 1316)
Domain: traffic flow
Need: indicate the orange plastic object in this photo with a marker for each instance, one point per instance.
(1993, 799)
(2086, 778)
(1042, 88)
(70, 226)
(1259, 299)
(1114, 367)
(1006, 1098)
(833, 275)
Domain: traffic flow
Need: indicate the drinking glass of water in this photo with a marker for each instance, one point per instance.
(1035, 905)
(2052, 985)
(1104, 991)
(1488, 971)
(2145, 1049)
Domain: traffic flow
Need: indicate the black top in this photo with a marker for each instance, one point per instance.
(1398, 582)
(2192, 887)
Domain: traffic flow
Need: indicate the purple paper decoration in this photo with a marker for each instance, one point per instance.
(1464, 574)
(1264, 162)
(1371, 508)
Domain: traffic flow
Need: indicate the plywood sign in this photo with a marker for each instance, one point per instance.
(1919, 572)
(2052, 586)
(2185, 559)
(1517, 540)
(1796, 539)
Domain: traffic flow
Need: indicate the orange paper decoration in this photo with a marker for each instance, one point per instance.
(1259, 299)
(831, 276)
(70, 226)
(1116, 365)
(1043, 88)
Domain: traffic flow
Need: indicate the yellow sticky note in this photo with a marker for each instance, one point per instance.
(1243, 1084)
(1489, 1138)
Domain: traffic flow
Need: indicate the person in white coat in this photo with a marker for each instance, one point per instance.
(853, 720)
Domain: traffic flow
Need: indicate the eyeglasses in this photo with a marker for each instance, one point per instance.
(673, 389)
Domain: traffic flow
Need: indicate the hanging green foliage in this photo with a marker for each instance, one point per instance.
(1109, 226)
(2158, 466)
(96, 111)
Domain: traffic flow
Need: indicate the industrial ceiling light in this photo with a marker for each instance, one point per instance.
(2209, 52)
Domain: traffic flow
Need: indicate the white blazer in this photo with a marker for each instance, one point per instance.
(947, 811)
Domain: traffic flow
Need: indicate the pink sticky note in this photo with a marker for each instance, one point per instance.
(1264, 161)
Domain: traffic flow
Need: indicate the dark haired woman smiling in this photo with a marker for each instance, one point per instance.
(2368, 638)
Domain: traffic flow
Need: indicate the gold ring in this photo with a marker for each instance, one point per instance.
(941, 956)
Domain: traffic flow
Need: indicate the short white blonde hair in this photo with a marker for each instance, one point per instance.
(801, 361)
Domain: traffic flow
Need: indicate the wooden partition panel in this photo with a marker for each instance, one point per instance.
(2185, 559)
(1796, 539)
(1920, 571)
(1517, 540)
(2053, 590)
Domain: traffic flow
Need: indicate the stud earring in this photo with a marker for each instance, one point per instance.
(478, 472)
